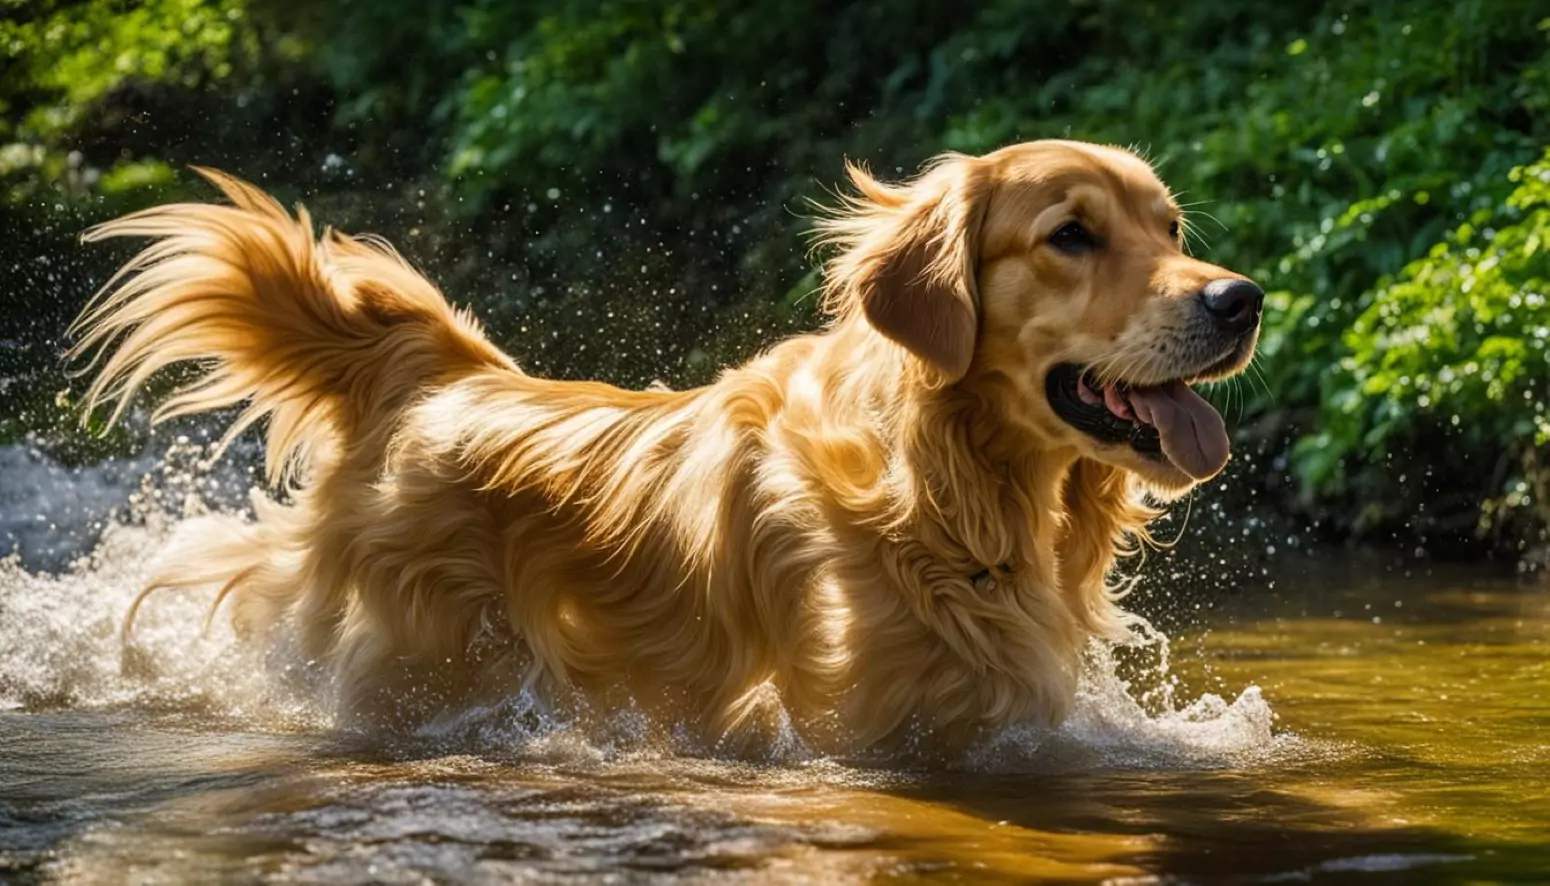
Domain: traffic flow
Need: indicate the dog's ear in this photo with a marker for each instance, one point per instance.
(907, 259)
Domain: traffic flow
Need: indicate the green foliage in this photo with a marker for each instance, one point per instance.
(70, 54)
(1457, 345)
(620, 185)
(62, 58)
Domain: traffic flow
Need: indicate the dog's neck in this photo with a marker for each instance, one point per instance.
(987, 550)
(985, 495)
(980, 495)
(955, 475)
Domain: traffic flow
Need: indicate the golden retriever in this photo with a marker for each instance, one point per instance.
(897, 531)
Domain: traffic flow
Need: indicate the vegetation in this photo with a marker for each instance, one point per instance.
(620, 186)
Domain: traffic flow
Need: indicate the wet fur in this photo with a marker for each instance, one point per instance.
(871, 528)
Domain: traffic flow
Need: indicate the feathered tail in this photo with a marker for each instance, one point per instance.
(324, 336)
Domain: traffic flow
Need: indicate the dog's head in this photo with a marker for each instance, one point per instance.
(1052, 277)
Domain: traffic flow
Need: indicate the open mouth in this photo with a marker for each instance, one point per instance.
(1166, 421)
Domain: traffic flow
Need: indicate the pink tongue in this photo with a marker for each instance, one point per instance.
(1193, 435)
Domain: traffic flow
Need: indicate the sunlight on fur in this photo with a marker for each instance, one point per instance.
(897, 531)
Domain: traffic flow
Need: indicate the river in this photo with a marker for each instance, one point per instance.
(1336, 718)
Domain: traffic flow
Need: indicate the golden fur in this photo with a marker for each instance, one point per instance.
(880, 529)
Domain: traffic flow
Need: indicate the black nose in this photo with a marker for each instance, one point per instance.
(1234, 305)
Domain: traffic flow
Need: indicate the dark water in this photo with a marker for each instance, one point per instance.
(1339, 723)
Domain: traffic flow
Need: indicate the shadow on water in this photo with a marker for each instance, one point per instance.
(1233, 828)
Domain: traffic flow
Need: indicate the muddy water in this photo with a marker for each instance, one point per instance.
(1336, 722)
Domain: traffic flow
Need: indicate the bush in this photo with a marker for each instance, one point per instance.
(1455, 349)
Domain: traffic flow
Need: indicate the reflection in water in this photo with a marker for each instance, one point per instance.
(1407, 741)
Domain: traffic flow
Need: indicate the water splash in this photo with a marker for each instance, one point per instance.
(60, 631)
(1116, 723)
(60, 648)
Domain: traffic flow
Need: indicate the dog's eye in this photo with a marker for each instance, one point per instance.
(1072, 238)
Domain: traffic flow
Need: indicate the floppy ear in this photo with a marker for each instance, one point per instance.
(907, 259)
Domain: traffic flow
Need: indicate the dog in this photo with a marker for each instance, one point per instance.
(899, 531)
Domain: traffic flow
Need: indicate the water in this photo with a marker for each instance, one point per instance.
(1339, 723)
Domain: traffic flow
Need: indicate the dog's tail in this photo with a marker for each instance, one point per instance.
(324, 336)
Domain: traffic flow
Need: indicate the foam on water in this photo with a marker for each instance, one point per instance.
(61, 642)
(60, 645)
(1110, 727)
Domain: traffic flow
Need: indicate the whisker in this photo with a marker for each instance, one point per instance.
(1109, 373)
(1260, 374)
(1201, 212)
(1221, 391)
(1251, 379)
(1192, 233)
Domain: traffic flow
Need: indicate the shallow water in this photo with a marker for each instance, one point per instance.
(1336, 722)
